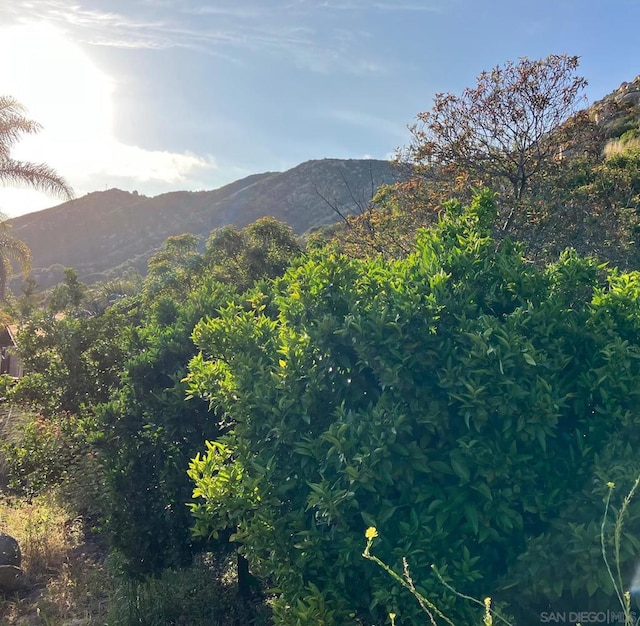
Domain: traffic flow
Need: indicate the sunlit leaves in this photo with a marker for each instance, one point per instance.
(460, 400)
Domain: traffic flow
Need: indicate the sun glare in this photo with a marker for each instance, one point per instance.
(58, 83)
(63, 91)
(72, 99)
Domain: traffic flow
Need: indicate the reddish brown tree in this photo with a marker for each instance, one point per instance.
(506, 129)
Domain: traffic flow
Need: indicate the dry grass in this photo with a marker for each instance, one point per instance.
(615, 146)
(68, 581)
(74, 586)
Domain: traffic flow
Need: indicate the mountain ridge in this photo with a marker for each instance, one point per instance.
(104, 232)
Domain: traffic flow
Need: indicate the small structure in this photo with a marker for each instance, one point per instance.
(9, 360)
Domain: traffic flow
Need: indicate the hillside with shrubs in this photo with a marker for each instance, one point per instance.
(427, 413)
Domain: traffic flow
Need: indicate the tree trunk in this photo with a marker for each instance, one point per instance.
(244, 582)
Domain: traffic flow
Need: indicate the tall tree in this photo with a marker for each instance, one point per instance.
(507, 128)
(13, 125)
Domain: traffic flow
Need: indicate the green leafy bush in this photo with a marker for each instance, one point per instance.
(148, 432)
(467, 404)
(71, 363)
(43, 453)
(107, 387)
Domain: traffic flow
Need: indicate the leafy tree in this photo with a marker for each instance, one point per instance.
(171, 270)
(29, 298)
(69, 295)
(232, 255)
(516, 132)
(262, 249)
(115, 379)
(148, 433)
(581, 187)
(469, 405)
(70, 362)
(509, 127)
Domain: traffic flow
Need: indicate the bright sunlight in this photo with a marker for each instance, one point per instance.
(71, 98)
(64, 92)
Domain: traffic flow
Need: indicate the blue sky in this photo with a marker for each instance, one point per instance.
(159, 95)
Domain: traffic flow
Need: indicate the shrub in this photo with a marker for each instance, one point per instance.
(44, 453)
(469, 405)
(147, 433)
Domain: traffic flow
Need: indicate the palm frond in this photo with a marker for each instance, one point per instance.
(15, 250)
(12, 251)
(13, 124)
(36, 175)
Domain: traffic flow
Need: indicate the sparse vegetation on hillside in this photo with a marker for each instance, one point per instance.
(104, 233)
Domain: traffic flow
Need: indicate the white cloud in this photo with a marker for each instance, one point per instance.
(114, 159)
(289, 30)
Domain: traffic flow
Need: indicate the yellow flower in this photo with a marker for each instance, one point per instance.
(488, 618)
(371, 532)
(611, 485)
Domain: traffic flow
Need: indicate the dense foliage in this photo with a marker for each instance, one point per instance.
(111, 424)
(147, 434)
(467, 404)
(471, 398)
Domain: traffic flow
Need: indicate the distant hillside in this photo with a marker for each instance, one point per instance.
(105, 232)
(619, 112)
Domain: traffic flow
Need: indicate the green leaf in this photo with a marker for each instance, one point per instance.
(459, 466)
(369, 520)
(471, 514)
(483, 488)
(441, 467)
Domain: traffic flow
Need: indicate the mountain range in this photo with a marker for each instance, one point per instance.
(103, 233)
